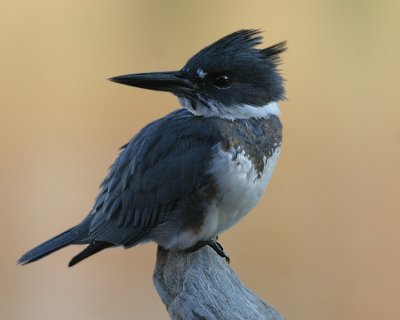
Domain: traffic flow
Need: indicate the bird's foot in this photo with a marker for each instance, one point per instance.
(214, 244)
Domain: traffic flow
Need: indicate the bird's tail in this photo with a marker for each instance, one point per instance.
(72, 236)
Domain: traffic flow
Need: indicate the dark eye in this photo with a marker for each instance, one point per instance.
(222, 81)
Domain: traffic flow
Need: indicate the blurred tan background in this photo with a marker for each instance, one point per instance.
(324, 241)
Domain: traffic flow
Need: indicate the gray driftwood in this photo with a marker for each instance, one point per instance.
(201, 285)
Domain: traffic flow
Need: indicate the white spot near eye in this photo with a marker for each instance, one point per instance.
(201, 73)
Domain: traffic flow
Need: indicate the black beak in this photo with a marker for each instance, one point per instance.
(172, 81)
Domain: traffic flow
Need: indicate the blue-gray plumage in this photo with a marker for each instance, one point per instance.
(187, 177)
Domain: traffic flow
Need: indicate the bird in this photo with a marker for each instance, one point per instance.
(185, 178)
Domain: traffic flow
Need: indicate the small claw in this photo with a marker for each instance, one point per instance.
(215, 245)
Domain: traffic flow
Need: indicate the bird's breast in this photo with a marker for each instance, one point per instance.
(240, 182)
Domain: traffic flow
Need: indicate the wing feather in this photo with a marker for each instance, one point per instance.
(165, 162)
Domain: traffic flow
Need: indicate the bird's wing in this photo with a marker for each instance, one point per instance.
(164, 163)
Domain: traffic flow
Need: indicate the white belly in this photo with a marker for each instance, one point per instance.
(240, 188)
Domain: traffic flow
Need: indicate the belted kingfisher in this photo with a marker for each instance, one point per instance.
(187, 177)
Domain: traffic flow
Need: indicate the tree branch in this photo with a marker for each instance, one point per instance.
(201, 285)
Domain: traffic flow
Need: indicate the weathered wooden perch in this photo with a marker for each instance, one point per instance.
(201, 285)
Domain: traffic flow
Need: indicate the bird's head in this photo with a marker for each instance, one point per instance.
(230, 78)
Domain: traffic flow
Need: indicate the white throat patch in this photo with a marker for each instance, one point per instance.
(244, 111)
